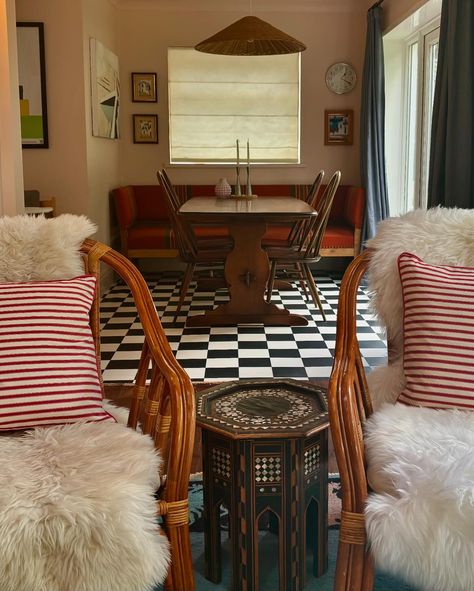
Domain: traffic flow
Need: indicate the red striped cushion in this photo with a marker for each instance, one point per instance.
(48, 366)
(438, 324)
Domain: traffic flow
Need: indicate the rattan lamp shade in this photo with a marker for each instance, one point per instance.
(250, 36)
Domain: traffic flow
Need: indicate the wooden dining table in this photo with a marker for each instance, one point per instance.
(247, 267)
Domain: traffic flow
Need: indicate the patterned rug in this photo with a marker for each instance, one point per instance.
(324, 583)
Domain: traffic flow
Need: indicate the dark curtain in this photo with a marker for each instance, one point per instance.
(451, 180)
(372, 127)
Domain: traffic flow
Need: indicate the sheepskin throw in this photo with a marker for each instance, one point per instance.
(41, 249)
(77, 506)
(420, 519)
(439, 236)
(77, 511)
(420, 461)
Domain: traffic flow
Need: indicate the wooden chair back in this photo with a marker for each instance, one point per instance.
(297, 229)
(185, 239)
(313, 233)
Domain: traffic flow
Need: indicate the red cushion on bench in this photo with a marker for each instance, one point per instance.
(149, 236)
(211, 232)
(338, 235)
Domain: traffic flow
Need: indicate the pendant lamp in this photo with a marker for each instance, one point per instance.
(250, 36)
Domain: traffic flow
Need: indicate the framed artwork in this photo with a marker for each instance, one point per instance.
(32, 83)
(105, 89)
(338, 127)
(145, 129)
(144, 87)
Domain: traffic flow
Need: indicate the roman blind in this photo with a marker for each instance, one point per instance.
(216, 99)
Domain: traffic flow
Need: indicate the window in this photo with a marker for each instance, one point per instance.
(215, 100)
(411, 55)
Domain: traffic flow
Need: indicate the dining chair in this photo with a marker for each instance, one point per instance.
(192, 251)
(295, 258)
(295, 232)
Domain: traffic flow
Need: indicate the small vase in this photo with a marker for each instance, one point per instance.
(222, 189)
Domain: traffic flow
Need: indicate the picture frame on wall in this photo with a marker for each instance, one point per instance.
(144, 87)
(32, 85)
(145, 129)
(338, 127)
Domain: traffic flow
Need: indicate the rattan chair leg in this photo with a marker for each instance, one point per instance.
(271, 281)
(354, 568)
(313, 289)
(180, 575)
(188, 274)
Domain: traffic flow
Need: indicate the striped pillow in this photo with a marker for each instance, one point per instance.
(48, 366)
(438, 324)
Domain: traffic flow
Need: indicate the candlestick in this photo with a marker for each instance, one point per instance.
(249, 185)
(238, 191)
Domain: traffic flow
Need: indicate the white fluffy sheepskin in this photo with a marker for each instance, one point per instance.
(41, 249)
(439, 236)
(77, 511)
(420, 519)
(77, 507)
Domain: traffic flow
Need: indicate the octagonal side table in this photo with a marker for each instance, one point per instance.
(265, 460)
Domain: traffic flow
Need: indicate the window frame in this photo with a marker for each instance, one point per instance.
(421, 37)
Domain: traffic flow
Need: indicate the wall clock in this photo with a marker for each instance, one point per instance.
(341, 78)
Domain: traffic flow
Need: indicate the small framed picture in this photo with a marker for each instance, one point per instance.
(144, 87)
(338, 127)
(145, 129)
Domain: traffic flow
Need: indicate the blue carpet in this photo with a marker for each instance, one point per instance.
(324, 583)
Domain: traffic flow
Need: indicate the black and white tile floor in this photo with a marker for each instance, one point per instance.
(225, 353)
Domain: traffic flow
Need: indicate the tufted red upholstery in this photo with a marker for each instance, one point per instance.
(146, 232)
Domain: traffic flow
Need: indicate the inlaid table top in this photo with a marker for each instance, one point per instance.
(263, 408)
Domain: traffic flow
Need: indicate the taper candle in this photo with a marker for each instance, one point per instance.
(248, 153)
(238, 157)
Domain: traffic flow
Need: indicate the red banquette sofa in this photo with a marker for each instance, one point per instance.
(145, 229)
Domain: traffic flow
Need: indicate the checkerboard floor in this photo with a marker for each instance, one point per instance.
(244, 351)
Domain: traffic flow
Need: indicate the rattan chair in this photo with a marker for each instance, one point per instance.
(303, 247)
(406, 471)
(165, 409)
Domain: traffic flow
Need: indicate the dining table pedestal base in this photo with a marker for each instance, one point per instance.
(246, 274)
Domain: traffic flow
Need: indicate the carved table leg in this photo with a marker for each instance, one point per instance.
(246, 272)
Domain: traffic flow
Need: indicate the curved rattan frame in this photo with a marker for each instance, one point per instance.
(349, 406)
(166, 408)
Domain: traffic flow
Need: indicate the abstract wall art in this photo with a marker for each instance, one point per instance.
(105, 88)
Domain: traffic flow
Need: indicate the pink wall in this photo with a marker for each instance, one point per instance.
(60, 170)
(80, 169)
(100, 22)
(330, 34)
(395, 11)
